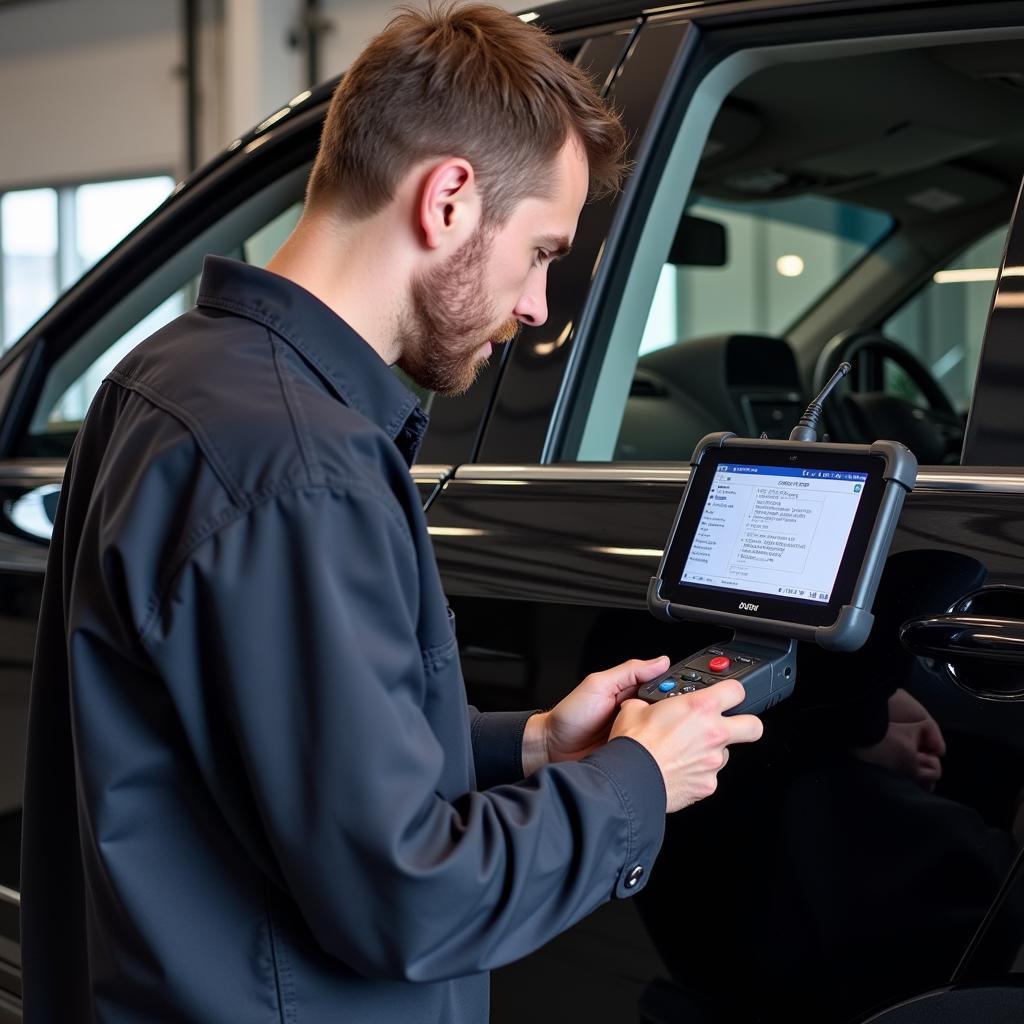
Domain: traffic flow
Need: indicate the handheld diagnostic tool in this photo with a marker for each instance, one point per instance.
(781, 541)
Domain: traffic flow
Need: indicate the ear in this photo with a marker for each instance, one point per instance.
(449, 206)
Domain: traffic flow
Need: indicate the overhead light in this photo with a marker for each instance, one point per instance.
(790, 266)
(966, 276)
(529, 16)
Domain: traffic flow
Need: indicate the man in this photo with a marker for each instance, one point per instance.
(254, 792)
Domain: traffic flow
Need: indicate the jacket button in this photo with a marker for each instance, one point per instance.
(634, 876)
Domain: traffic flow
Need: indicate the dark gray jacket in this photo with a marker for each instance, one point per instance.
(254, 793)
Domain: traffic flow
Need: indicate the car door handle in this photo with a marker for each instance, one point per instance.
(959, 637)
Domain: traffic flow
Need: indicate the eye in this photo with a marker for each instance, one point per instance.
(541, 257)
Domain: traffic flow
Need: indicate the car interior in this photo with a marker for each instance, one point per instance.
(933, 139)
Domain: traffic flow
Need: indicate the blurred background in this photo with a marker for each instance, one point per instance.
(106, 104)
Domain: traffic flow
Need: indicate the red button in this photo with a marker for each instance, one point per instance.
(719, 664)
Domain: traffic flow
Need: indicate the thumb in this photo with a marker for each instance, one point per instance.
(632, 673)
(621, 681)
(650, 669)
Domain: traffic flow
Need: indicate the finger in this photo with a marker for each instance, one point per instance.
(744, 728)
(725, 695)
(929, 767)
(632, 706)
(933, 740)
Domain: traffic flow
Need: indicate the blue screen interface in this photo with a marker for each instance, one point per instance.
(774, 530)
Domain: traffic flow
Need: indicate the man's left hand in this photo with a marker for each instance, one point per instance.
(581, 721)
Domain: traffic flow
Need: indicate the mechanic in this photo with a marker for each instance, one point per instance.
(254, 792)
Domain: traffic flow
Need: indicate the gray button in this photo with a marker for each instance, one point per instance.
(634, 876)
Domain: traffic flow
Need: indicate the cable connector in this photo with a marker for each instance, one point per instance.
(807, 428)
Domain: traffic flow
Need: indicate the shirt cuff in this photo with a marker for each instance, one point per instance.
(498, 746)
(638, 781)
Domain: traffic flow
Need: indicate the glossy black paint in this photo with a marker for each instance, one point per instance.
(816, 867)
(578, 542)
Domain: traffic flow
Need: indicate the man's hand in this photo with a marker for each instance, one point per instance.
(688, 737)
(580, 722)
(913, 744)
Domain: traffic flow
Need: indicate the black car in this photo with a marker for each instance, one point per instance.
(813, 180)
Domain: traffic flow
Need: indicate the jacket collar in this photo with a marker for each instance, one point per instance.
(347, 364)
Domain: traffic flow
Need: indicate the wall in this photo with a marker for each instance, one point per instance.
(92, 89)
(88, 90)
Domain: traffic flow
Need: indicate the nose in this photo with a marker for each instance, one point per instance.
(532, 307)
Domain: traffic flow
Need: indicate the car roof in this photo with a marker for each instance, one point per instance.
(572, 15)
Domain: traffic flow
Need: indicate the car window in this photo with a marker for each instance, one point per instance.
(799, 205)
(776, 259)
(943, 324)
(57, 420)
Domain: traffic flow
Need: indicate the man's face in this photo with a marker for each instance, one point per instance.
(496, 281)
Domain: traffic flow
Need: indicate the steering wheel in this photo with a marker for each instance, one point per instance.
(934, 434)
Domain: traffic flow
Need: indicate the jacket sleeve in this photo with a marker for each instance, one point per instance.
(295, 625)
(497, 745)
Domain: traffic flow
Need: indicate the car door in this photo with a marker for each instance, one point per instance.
(823, 881)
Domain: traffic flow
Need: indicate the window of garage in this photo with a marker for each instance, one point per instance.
(819, 200)
(52, 235)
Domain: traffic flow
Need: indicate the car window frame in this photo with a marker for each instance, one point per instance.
(723, 33)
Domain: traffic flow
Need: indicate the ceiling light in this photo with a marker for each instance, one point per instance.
(967, 276)
(529, 16)
(789, 266)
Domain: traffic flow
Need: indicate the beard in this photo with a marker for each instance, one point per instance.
(448, 321)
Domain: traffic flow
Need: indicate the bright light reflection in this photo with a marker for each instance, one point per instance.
(545, 348)
(455, 531)
(789, 266)
(529, 16)
(630, 552)
(273, 119)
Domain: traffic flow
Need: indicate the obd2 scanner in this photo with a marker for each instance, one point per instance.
(781, 541)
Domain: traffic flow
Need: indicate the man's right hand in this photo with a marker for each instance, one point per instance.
(688, 736)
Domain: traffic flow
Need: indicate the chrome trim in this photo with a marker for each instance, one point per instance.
(970, 480)
(10, 896)
(22, 469)
(576, 472)
(936, 478)
(430, 472)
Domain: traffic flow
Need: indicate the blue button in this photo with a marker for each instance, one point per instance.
(669, 684)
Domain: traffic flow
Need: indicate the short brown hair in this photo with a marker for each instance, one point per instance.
(466, 80)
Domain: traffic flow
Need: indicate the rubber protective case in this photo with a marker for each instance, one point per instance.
(853, 623)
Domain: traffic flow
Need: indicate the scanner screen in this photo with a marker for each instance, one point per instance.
(774, 530)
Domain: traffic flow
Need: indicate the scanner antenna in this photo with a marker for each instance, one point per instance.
(807, 428)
